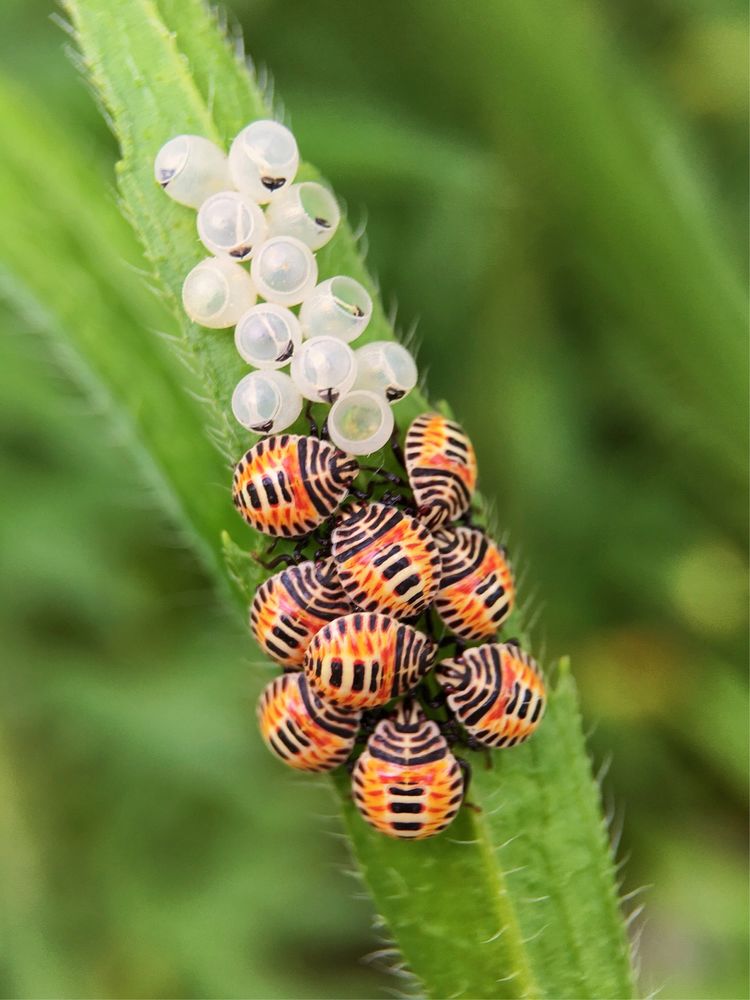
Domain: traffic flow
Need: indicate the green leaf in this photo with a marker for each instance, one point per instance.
(516, 900)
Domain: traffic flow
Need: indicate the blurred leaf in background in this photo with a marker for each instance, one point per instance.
(558, 193)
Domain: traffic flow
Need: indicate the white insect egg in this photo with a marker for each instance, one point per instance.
(339, 307)
(324, 369)
(360, 422)
(263, 160)
(307, 211)
(267, 335)
(386, 367)
(231, 225)
(266, 402)
(191, 169)
(284, 270)
(217, 292)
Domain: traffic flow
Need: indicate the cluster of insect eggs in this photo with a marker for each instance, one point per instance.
(251, 211)
(342, 626)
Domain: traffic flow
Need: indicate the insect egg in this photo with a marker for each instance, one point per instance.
(230, 224)
(191, 169)
(217, 292)
(284, 270)
(307, 211)
(324, 369)
(360, 422)
(267, 335)
(263, 159)
(339, 307)
(387, 367)
(266, 402)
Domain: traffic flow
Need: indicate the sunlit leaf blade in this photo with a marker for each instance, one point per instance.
(89, 296)
(464, 919)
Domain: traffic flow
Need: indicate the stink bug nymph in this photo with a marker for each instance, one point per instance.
(302, 729)
(364, 660)
(287, 485)
(476, 590)
(442, 468)
(496, 692)
(386, 560)
(407, 783)
(290, 607)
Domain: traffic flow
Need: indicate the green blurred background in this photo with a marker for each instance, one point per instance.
(557, 190)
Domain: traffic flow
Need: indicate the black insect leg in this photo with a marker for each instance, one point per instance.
(435, 701)
(466, 772)
(386, 476)
(311, 421)
(293, 558)
(396, 447)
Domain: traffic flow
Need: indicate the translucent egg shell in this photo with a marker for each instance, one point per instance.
(217, 292)
(339, 307)
(307, 211)
(324, 369)
(231, 225)
(386, 367)
(191, 169)
(284, 270)
(360, 422)
(263, 160)
(266, 402)
(267, 335)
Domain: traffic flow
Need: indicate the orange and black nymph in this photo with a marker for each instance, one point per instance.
(476, 591)
(496, 691)
(301, 728)
(291, 606)
(442, 468)
(386, 560)
(407, 783)
(364, 660)
(287, 484)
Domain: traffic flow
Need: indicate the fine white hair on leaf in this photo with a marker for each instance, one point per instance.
(631, 918)
(507, 979)
(603, 770)
(495, 937)
(537, 934)
(636, 892)
(358, 231)
(459, 992)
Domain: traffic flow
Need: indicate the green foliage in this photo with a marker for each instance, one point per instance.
(565, 197)
(466, 921)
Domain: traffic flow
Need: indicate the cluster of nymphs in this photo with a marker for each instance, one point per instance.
(279, 243)
(354, 627)
(353, 617)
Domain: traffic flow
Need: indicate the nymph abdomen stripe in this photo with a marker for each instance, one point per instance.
(476, 591)
(302, 729)
(363, 660)
(287, 485)
(496, 692)
(442, 468)
(407, 783)
(290, 607)
(386, 560)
